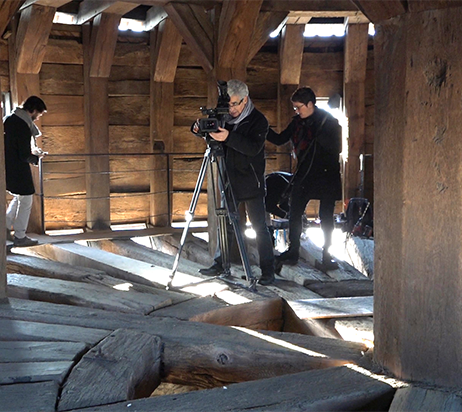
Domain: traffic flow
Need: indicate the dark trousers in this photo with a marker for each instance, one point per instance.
(257, 216)
(298, 202)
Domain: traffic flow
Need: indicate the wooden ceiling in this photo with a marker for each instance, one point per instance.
(152, 11)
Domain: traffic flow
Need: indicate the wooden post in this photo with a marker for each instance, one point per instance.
(418, 156)
(99, 46)
(26, 51)
(290, 63)
(2, 217)
(165, 52)
(354, 100)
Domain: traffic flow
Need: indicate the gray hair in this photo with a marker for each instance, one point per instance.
(237, 88)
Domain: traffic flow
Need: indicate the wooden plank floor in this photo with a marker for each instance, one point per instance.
(75, 314)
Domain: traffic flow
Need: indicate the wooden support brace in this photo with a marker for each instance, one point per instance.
(8, 9)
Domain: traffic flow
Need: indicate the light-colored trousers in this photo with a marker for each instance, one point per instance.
(18, 213)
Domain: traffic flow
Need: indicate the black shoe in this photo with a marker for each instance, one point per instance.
(328, 261)
(266, 280)
(289, 257)
(214, 270)
(24, 241)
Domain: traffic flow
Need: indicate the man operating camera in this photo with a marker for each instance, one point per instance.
(243, 139)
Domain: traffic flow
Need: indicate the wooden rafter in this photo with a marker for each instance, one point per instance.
(46, 3)
(193, 23)
(103, 40)
(267, 22)
(8, 9)
(422, 5)
(154, 16)
(308, 5)
(238, 20)
(32, 37)
(89, 9)
(377, 11)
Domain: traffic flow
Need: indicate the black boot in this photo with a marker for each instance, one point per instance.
(214, 270)
(289, 257)
(327, 261)
(267, 274)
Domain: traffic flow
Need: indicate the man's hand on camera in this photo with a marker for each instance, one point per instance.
(221, 135)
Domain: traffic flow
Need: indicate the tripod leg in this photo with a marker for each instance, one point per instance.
(223, 241)
(231, 208)
(190, 213)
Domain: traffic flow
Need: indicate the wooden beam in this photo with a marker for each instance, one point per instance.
(154, 16)
(167, 52)
(304, 17)
(238, 20)
(194, 24)
(32, 37)
(103, 43)
(291, 53)
(2, 219)
(416, 6)
(309, 5)
(377, 11)
(354, 100)
(89, 9)
(267, 22)
(46, 3)
(96, 140)
(8, 9)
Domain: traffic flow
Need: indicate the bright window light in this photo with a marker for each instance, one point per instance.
(371, 29)
(324, 30)
(64, 18)
(131, 24)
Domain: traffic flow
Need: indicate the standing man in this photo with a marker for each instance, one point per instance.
(316, 138)
(243, 139)
(20, 151)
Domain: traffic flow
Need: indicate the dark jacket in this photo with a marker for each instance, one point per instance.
(245, 156)
(18, 156)
(317, 142)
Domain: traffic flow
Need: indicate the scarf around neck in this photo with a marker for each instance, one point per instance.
(247, 110)
(23, 115)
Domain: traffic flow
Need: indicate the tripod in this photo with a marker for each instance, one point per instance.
(215, 153)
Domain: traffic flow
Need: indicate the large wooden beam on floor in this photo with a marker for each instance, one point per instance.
(165, 52)
(38, 396)
(356, 42)
(84, 294)
(329, 389)
(125, 365)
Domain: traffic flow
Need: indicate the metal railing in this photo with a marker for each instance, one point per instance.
(64, 177)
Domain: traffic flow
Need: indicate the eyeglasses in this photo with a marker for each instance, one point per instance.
(234, 104)
(298, 107)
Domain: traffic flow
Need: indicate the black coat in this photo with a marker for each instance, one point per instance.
(245, 156)
(317, 144)
(18, 156)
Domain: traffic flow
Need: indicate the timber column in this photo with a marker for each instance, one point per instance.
(418, 191)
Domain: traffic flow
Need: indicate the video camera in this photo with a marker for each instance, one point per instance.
(215, 117)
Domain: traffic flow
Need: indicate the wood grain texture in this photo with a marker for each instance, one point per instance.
(116, 374)
(39, 396)
(195, 27)
(291, 53)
